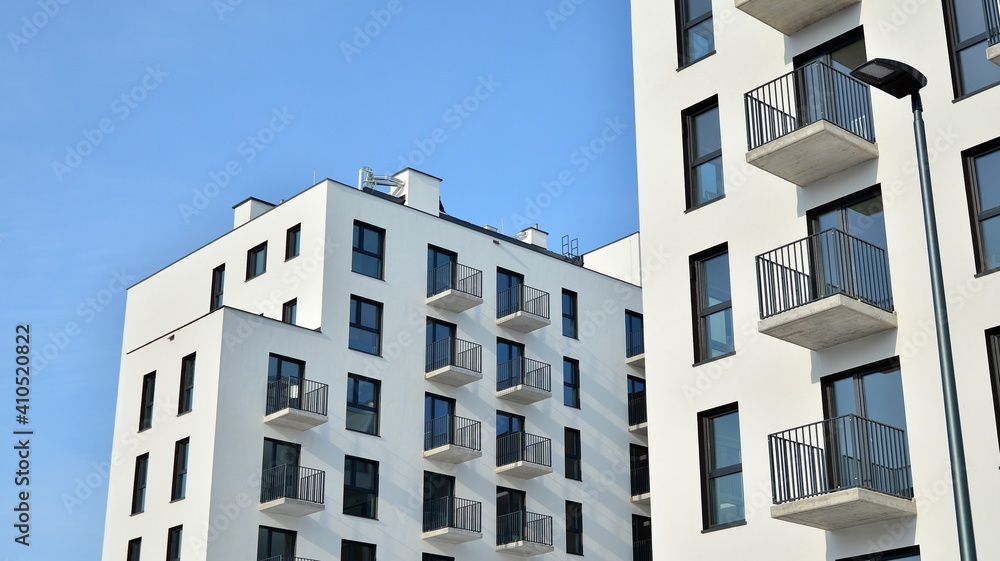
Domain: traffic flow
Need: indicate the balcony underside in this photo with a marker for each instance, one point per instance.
(812, 153)
(641, 499)
(524, 470)
(451, 535)
(291, 507)
(639, 428)
(993, 53)
(297, 419)
(453, 376)
(452, 454)
(454, 300)
(524, 548)
(828, 322)
(844, 509)
(522, 321)
(637, 361)
(789, 16)
(523, 394)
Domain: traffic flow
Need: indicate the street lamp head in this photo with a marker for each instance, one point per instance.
(891, 76)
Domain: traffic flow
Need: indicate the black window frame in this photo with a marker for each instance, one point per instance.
(993, 350)
(350, 548)
(358, 301)
(978, 215)
(289, 311)
(692, 163)
(358, 243)
(895, 554)
(147, 401)
(705, 444)
(185, 391)
(175, 538)
(350, 484)
(571, 382)
(571, 316)
(293, 241)
(683, 25)
(134, 551)
(256, 255)
(265, 536)
(955, 47)
(218, 287)
(140, 481)
(178, 482)
(435, 557)
(699, 300)
(574, 528)
(376, 410)
(573, 453)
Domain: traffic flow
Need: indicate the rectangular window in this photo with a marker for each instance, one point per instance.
(638, 458)
(356, 551)
(713, 305)
(993, 345)
(179, 487)
(289, 310)
(139, 484)
(174, 543)
(275, 544)
(695, 34)
(218, 283)
(574, 454)
(363, 404)
(185, 398)
(433, 557)
(257, 261)
(703, 153)
(905, 554)
(146, 410)
(571, 382)
(360, 487)
(634, 343)
(642, 538)
(134, 549)
(368, 247)
(569, 313)
(366, 326)
(968, 37)
(292, 240)
(982, 169)
(574, 528)
(722, 467)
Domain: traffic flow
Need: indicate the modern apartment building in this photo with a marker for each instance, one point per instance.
(799, 410)
(353, 375)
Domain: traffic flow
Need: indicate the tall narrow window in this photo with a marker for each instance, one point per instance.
(636, 401)
(982, 168)
(634, 343)
(174, 543)
(218, 283)
(703, 153)
(178, 488)
(185, 398)
(356, 551)
(569, 316)
(257, 261)
(968, 38)
(134, 549)
(638, 459)
(139, 484)
(571, 382)
(574, 455)
(642, 538)
(289, 310)
(368, 247)
(362, 404)
(695, 34)
(366, 326)
(360, 487)
(292, 240)
(722, 467)
(146, 410)
(713, 306)
(993, 345)
(574, 528)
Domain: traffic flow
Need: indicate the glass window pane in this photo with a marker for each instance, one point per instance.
(866, 221)
(364, 341)
(708, 182)
(361, 420)
(725, 496)
(977, 71)
(706, 136)
(969, 19)
(719, 331)
(373, 242)
(369, 315)
(695, 8)
(991, 242)
(988, 180)
(699, 40)
(726, 441)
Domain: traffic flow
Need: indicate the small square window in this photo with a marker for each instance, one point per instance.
(292, 240)
(257, 261)
(368, 249)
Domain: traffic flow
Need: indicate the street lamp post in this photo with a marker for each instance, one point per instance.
(900, 80)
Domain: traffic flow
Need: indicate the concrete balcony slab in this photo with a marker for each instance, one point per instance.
(844, 509)
(828, 322)
(524, 394)
(452, 454)
(292, 418)
(789, 16)
(993, 54)
(454, 300)
(524, 322)
(291, 507)
(524, 548)
(451, 535)
(524, 470)
(812, 153)
(452, 375)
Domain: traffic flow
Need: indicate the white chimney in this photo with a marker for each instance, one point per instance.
(421, 191)
(248, 210)
(534, 236)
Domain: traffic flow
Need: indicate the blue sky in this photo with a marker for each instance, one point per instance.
(119, 122)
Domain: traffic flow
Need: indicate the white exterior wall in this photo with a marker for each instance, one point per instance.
(224, 473)
(777, 384)
(620, 259)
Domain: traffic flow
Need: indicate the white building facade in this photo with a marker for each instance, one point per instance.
(793, 363)
(356, 375)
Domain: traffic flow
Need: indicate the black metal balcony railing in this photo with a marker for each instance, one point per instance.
(642, 550)
(836, 454)
(455, 276)
(992, 9)
(521, 446)
(639, 479)
(454, 352)
(292, 482)
(634, 344)
(636, 409)
(286, 558)
(296, 393)
(522, 298)
(804, 96)
(524, 371)
(454, 430)
(822, 265)
(524, 527)
(453, 512)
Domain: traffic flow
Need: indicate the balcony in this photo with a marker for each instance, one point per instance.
(524, 455)
(295, 403)
(639, 480)
(824, 290)
(524, 381)
(840, 473)
(291, 490)
(809, 124)
(286, 558)
(789, 16)
(637, 413)
(522, 308)
(524, 533)
(454, 362)
(452, 520)
(635, 349)
(454, 287)
(992, 8)
(452, 439)
(642, 550)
